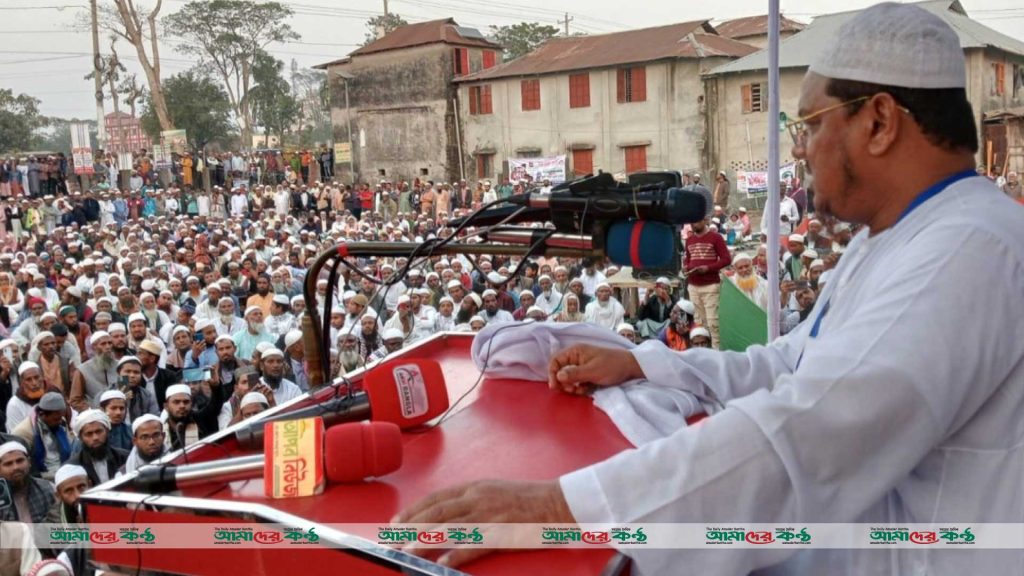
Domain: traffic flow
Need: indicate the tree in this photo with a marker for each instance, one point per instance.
(228, 36)
(381, 25)
(273, 105)
(19, 119)
(523, 38)
(138, 27)
(197, 104)
(132, 91)
(310, 88)
(56, 135)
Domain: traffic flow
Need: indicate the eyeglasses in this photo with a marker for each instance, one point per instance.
(798, 129)
(154, 436)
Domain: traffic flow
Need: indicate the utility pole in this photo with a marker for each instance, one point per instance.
(386, 8)
(101, 129)
(565, 22)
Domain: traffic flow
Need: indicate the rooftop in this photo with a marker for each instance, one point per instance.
(740, 28)
(697, 39)
(798, 50)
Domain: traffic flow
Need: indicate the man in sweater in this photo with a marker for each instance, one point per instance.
(706, 255)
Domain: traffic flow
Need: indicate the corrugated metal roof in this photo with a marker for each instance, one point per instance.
(433, 31)
(798, 50)
(740, 28)
(697, 39)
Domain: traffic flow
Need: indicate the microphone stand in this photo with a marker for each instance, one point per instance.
(317, 349)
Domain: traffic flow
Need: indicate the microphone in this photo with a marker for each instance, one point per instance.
(643, 245)
(311, 351)
(503, 214)
(672, 206)
(406, 392)
(349, 453)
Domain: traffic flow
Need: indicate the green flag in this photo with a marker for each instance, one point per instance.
(741, 322)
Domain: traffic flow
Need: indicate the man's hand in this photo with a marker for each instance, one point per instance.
(198, 349)
(573, 368)
(486, 501)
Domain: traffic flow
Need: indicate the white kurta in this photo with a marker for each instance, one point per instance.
(607, 314)
(905, 408)
(550, 302)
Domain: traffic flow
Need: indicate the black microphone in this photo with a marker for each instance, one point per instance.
(672, 206)
(503, 215)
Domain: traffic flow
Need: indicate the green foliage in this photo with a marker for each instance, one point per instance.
(196, 104)
(56, 135)
(388, 22)
(270, 97)
(19, 119)
(523, 38)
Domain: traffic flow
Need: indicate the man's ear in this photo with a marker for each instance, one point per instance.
(883, 113)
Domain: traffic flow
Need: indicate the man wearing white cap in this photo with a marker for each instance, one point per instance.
(96, 375)
(71, 481)
(274, 376)
(393, 340)
(492, 312)
(280, 320)
(874, 411)
(627, 331)
(148, 437)
(755, 287)
(253, 333)
(97, 457)
(655, 312)
(604, 310)
(114, 404)
(33, 497)
(548, 298)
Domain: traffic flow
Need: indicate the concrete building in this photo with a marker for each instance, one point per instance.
(620, 103)
(125, 134)
(753, 30)
(397, 94)
(737, 91)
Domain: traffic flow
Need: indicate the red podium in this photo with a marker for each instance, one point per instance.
(502, 430)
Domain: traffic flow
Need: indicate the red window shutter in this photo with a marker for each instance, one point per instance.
(530, 90)
(639, 84)
(636, 158)
(579, 90)
(489, 59)
(480, 166)
(620, 85)
(746, 94)
(474, 95)
(582, 162)
(457, 61)
(485, 100)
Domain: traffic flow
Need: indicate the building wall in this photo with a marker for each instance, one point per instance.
(125, 134)
(402, 105)
(731, 147)
(670, 123)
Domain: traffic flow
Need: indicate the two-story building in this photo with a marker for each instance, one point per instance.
(621, 102)
(737, 92)
(394, 100)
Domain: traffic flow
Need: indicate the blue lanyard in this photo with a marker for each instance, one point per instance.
(918, 200)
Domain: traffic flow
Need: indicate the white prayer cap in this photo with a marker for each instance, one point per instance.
(8, 342)
(40, 337)
(252, 309)
(26, 366)
(370, 313)
(112, 395)
(12, 446)
(147, 418)
(88, 417)
(292, 337)
(271, 353)
(392, 334)
(48, 315)
(116, 327)
(741, 257)
(203, 324)
(253, 398)
(447, 299)
(476, 299)
(495, 278)
(176, 389)
(662, 280)
(489, 292)
(526, 293)
(699, 331)
(894, 45)
(818, 263)
(67, 472)
(136, 317)
(263, 347)
(603, 285)
(796, 238)
(477, 318)
(686, 306)
(809, 254)
(403, 299)
(181, 328)
(625, 327)
(148, 285)
(454, 284)
(223, 337)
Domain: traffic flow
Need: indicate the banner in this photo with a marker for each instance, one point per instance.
(175, 140)
(342, 153)
(756, 183)
(537, 169)
(741, 322)
(161, 156)
(81, 150)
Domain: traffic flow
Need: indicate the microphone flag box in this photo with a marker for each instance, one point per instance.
(293, 452)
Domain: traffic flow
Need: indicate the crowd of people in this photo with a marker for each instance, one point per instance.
(135, 322)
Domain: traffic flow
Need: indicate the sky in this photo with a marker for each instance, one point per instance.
(43, 55)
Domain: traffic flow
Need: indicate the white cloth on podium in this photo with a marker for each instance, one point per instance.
(643, 410)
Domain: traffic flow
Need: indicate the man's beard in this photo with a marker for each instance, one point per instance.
(463, 316)
(227, 319)
(350, 359)
(73, 328)
(148, 459)
(747, 283)
(120, 349)
(273, 381)
(255, 327)
(99, 452)
(230, 363)
(105, 360)
(280, 288)
(262, 292)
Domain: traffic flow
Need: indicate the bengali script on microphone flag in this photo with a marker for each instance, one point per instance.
(295, 450)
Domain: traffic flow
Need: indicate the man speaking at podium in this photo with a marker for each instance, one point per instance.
(873, 412)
